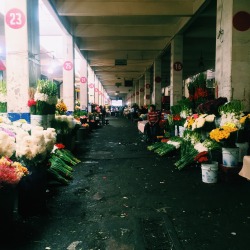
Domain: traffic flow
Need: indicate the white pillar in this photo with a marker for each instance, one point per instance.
(141, 91)
(147, 85)
(176, 70)
(232, 72)
(83, 84)
(68, 73)
(91, 86)
(22, 54)
(156, 95)
(96, 90)
(137, 93)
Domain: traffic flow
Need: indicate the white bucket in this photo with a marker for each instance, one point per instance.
(230, 157)
(209, 172)
(181, 131)
(243, 148)
(38, 120)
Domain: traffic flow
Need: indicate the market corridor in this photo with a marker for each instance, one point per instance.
(124, 197)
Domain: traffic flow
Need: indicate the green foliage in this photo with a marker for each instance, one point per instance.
(47, 87)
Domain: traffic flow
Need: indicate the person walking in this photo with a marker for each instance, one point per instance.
(103, 114)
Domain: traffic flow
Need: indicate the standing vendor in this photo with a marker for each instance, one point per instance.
(153, 121)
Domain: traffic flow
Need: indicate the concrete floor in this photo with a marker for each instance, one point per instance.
(124, 197)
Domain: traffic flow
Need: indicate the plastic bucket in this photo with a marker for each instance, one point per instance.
(243, 148)
(209, 172)
(230, 157)
(38, 120)
(181, 131)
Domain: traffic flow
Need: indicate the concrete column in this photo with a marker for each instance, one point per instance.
(91, 86)
(137, 92)
(96, 90)
(232, 72)
(68, 73)
(156, 94)
(83, 84)
(141, 91)
(147, 85)
(176, 70)
(22, 54)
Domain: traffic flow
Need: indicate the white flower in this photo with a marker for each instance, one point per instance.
(200, 121)
(200, 147)
(194, 126)
(41, 97)
(174, 143)
(210, 118)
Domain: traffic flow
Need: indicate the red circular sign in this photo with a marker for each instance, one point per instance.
(147, 86)
(68, 65)
(147, 97)
(178, 66)
(83, 79)
(137, 92)
(96, 90)
(141, 89)
(241, 21)
(91, 85)
(15, 18)
(158, 79)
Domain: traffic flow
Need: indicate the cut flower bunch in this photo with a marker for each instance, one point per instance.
(61, 163)
(11, 172)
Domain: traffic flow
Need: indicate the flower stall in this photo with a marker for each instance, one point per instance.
(218, 135)
(28, 157)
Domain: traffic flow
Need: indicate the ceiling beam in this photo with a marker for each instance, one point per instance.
(102, 30)
(123, 45)
(129, 55)
(128, 8)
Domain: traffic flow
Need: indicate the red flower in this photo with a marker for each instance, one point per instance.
(60, 146)
(201, 157)
(176, 118)
(31, 102)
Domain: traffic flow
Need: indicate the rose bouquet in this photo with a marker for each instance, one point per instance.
(11, 172)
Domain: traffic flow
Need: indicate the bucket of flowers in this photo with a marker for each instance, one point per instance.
(10, 175)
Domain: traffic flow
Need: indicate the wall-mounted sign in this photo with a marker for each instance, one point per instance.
(15, 18)
(147, 97)
(83, 79)
(68, 65)
(141, 89)
(96, 90)
(178, 66)
(157, 79)
(241, 21)
(91, 85)
(137, 92)
(147, 86)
